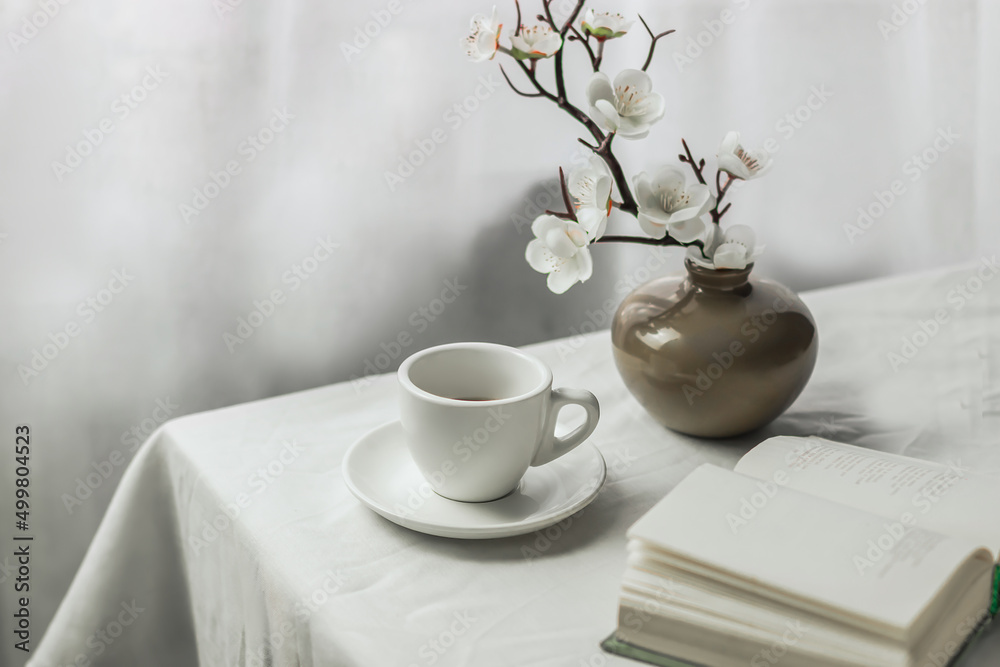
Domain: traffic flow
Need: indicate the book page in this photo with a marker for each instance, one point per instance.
(938, 497)
(841, 562)
(668, 592)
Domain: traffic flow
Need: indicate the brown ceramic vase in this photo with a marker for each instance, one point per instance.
(714, 353)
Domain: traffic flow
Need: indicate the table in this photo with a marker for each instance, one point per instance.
(232, 539)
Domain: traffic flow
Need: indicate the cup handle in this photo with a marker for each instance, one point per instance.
(553, 447)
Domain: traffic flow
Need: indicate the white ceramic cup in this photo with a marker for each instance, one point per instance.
(478, 415)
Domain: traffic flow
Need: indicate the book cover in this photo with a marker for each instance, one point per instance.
(616, 646)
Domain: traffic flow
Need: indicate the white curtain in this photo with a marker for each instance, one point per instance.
(172, 168)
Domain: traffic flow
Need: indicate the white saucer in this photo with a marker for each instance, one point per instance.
(379, 471)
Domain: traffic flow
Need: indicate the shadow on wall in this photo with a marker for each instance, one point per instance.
(512, 304)
(497, 297)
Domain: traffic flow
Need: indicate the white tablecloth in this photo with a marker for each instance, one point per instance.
(302, 574)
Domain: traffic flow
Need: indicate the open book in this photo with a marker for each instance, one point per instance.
(813, 553)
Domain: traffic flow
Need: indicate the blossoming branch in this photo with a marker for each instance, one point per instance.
(668, 208)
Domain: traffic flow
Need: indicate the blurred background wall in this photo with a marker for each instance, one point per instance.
(168, 168)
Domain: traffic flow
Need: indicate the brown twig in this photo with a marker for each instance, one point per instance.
(572, 15)
(594, 62)
(696, 167)
(562, 103)
(642, 240)
(645, 240)
(548, 14)
(720, 188)
(652, 44)
(600, 54)
(720, 191)
(517, 30)
(560, 80)
(628, 204)
(514, 88)
(534, 81)
(566, 198)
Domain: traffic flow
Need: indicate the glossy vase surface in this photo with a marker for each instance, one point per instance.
(714, 353)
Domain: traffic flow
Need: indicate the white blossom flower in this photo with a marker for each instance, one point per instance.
(739, 162)
(560, 250)
(590, 186)
(629, 108)
(667, 204)
(605, 25)
(483, 42)
(538, 41)
(738, 248)
(735, 248)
